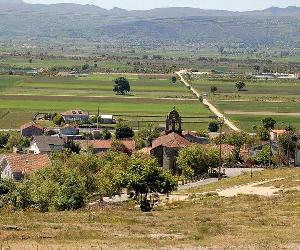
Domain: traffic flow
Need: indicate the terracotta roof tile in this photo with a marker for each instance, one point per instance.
(27, 162)
(31, 124)
(172, 140)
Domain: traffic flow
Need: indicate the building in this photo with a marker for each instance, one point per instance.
(16, 166)
(107, 119)
(75, 116)
(31, 129)
(192, 137)
(275, 134)
(100, 146)
(166, 149)
(69, 129)
(46, 144)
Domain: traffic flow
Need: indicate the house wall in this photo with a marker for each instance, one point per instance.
(34, 148)
(69, 131)
(71, 118)
(5, 170)
(169, 158)
(31, 131)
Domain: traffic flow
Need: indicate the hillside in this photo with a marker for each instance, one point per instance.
(199, 220)
(58, 23)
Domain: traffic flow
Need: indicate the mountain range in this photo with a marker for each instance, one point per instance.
(19, 5)
(181, 25)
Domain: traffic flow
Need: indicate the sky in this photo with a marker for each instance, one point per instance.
(236, 5)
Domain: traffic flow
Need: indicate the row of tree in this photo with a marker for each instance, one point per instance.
(73, 179)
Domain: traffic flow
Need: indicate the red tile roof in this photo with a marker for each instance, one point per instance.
(31, 124)
(172, 140)
(27, 162)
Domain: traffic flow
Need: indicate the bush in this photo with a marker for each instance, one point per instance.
(123, 131)
(213, 126)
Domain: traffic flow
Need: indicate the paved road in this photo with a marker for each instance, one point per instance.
(206, 102)
(230, 172)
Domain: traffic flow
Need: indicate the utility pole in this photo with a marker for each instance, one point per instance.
(221, 124)
(98, 114)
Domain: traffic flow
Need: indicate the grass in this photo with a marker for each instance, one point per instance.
(262, 98)
(244, 221)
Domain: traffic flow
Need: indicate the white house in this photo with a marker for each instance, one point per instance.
(46, 144)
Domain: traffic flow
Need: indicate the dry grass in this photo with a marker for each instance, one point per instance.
(245, 221)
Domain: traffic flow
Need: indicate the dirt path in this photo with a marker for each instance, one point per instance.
(250, 189)
(206, 102)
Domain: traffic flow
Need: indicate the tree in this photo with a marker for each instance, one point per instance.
(148, 134)
(263, 133)
(16, 140)
(121, 86)
(287, 144)
(196, 160)
(58, 119)
(72, 146)
(213, 126)
(123, 131)
(238, 139)
(262, 157)
(3, 139)
(269, 123)
(106, 135)
(144, 176)
(174, 79)
(240, 85)
(57, 187)
(257, 68)
(109, 178)
(213, 89)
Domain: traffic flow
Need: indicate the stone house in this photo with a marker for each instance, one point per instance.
(31, 129)
(16, 166)
(166, 149)
(46, 144)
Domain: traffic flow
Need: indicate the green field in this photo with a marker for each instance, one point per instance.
(150, 95)
(278, 99)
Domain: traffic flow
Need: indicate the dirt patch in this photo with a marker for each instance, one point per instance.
(250, 189)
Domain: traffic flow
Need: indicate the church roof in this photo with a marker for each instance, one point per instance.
(172, 140)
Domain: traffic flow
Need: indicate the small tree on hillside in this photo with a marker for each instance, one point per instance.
(174, 79)
(213, 126)
(144, 176)
(121, 86)
(240, 85)
(213, 89)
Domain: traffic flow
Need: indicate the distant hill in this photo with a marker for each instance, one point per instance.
(20, 21)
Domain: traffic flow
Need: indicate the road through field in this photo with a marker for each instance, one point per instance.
(206, 102)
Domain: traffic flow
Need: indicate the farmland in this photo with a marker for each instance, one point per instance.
(209, 220)
(150, 95)
(279, 99)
